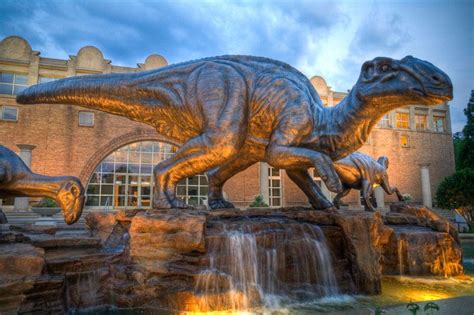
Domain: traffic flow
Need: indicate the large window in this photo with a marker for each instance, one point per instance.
(125, 178)
(421, 121)
(384, 121)
(403, 120)
(9, 113)
(439, 123)
(274, 187)
(12, 83)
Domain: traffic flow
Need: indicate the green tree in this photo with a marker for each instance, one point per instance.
(457, 192)
(466, 154)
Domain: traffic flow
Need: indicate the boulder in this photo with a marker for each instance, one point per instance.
(20, 265)
(158, 238)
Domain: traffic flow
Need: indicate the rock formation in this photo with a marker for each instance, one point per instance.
(224, 259)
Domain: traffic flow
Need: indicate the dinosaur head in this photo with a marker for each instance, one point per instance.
(71, 199)
(383, 160)
(386, 83)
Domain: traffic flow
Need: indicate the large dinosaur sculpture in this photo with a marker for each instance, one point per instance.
(233, 111)
(362, 172)
(17, 180)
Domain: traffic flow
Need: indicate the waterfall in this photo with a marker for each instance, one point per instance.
(253, 263)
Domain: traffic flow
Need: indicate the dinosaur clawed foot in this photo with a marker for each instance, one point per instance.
(220, 204)
(164, 203)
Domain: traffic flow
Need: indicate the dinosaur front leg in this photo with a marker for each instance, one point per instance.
(310, 188)
(219, 175)
(390, 190)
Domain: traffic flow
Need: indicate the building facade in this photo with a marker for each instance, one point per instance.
(113, 156)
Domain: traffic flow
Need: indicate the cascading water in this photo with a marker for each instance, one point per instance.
(252, 263)
(414, 246)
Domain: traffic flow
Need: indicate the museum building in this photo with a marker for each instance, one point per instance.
(114, 156)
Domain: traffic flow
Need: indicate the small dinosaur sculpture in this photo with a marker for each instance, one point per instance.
(360, 171)
(17, 180)
(230, 112)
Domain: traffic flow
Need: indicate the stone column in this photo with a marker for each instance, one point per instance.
(426, 184)
(21, 204)
(264, 182)
(380, 198)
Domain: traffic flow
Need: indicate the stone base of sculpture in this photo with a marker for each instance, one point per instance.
(221, 260)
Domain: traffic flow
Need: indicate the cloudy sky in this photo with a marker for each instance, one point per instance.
(330, 38)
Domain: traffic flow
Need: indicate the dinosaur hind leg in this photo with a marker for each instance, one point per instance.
(197, 156)
(219, 175)
(304, 181)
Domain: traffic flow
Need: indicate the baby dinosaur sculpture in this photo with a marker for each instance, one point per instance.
(17, 180)
(360, 171)
(230, 112)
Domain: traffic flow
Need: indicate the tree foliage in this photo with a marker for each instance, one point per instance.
(466, 153)
(457, 192)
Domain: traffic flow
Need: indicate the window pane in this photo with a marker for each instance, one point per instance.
(181, 190)
(46, 79)
(106, 200)
(6, 77)
(147, 158)
(21, 79)
(93, 189)
(86, 119)
(18, 88)
(10, 113)
(107, 178)
(134, 168)
(92, 201)
(146, 168)
(203, 190)
(6, 89)
(107, 190)
(193, 180)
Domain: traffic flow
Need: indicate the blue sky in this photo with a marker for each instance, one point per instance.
(328, 38)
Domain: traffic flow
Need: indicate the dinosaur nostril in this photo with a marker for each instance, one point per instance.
(436, 79)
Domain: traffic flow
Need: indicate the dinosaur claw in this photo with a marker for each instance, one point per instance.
(220, 204)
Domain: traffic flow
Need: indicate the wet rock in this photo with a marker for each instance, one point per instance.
(34, 229)
(426, 217)
(361, 230)
(160, 237)
(64, 241)
(101, 224)
(186, 260)
(20, 265)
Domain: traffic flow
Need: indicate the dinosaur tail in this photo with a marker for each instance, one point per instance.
(100, 92)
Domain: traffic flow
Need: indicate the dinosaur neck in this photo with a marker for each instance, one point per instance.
(348, 125)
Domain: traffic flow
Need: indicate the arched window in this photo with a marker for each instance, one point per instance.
(124, 179)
